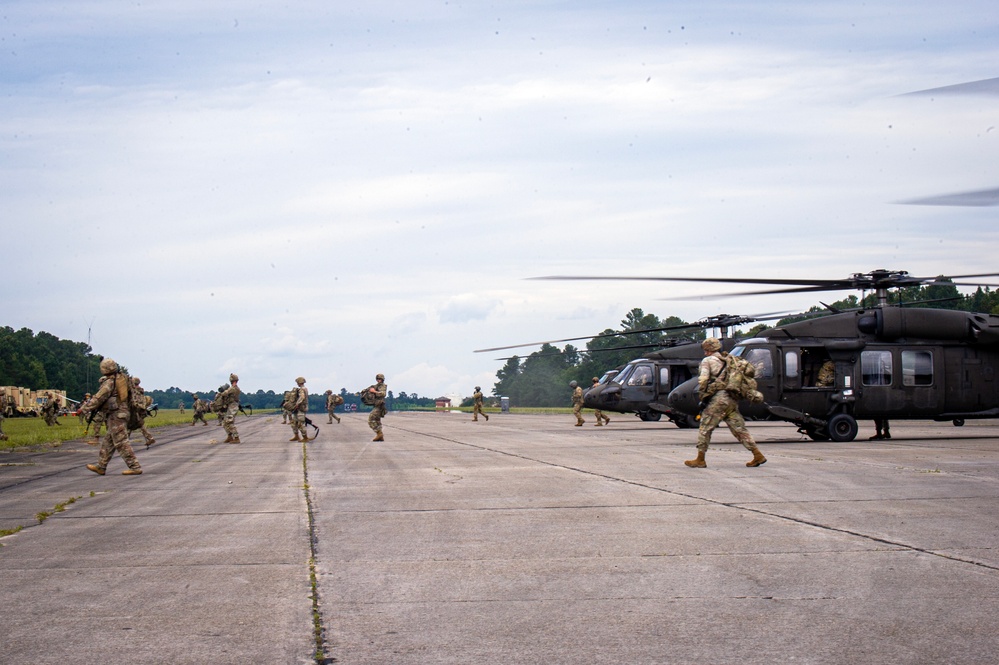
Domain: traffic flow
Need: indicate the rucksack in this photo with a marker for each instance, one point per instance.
(740, 382)
(367, 397)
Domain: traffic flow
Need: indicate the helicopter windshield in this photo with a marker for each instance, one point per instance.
(759, 357)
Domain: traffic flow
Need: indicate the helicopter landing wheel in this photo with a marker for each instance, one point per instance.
(842, 427)
(650, 416)
(958, 422)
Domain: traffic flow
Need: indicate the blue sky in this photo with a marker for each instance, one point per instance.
(336, 189)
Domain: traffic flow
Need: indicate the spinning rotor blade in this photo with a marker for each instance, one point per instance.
(872, 281)
(981, 199)
(981, 87)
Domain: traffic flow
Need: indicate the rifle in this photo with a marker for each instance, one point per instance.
(248, 406)
(153, 409)
(313, 425)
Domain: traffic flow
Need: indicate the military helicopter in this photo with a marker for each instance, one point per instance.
(890, 362)
(642, 385)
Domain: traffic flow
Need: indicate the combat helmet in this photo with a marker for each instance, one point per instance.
(300, 380)
(108, 366)
(573, 384)
(233, 378)
(135, 380)
(711, 344)
(379, 377)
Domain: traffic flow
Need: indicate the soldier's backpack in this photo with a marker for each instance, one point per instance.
(740, 379)
(134, 399)
(368, 397)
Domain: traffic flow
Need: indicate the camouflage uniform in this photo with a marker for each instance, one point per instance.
(96, 419)
(230, 403)
(827, 375)
(217, 406)
(79, 410)
(597, 412)
(51, 410)
(299, 407)
(577, 403)
(141, 418)
(720, 407)
(332, 402)
(200, 407)
(477, 405)
(181, 407)
(378, 411)
(112, 400)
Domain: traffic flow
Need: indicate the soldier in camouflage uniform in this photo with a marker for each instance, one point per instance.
(79, 410)
(299, 406)
(230, 403)
(720, 407)
(477, 405)
(332, 402)
(827, 375)
(377, 393)
(577, 403)
(216, 405)
(141, 418)
(597, 412)
(180, 406)
(200, 407)
(112, 400)
(50, 410)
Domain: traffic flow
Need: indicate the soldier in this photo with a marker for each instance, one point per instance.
(577, 403)
(477, 405)
(180, 406)
(720, 407)
(50, 410)
(141, 419)
(229, 399)
(298, 407)
(376, 396)
(597, 412)
(332, 402)
(79, 410)
(286, 414)
(200, 408)
(827, 375)
(112, 400)
(216, 405)
(882, 430)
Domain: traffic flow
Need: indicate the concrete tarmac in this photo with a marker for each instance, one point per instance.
(518, 540)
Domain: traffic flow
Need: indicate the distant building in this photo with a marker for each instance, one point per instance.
(442, 403)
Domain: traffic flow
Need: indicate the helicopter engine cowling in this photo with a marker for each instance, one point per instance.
(891, 323)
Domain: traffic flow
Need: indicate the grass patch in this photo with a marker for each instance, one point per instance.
(34, 432)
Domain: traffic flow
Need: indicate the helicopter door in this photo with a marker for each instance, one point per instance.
(806, 387)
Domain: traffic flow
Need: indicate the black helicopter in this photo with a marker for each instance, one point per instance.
(891, 362)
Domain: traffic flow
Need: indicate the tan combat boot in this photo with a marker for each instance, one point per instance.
(758, 458)
(295, 438)
(698, 463)
(228, 438)
(96, 469)
(235, 439)
(132, 472)
(379, 437)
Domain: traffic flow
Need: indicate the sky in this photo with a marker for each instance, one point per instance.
(335, 189)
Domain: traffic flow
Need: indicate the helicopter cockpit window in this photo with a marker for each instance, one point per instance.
(622, 376)
(917, 368)
(642, 376)
(760, 358)
(876, 367)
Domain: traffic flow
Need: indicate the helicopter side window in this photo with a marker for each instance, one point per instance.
(876, 367)
(664, 376)
(791, 364)
(642, 376)
(917, 368)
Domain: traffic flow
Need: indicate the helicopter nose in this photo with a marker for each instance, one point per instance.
(684, 399)
(600, 395)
